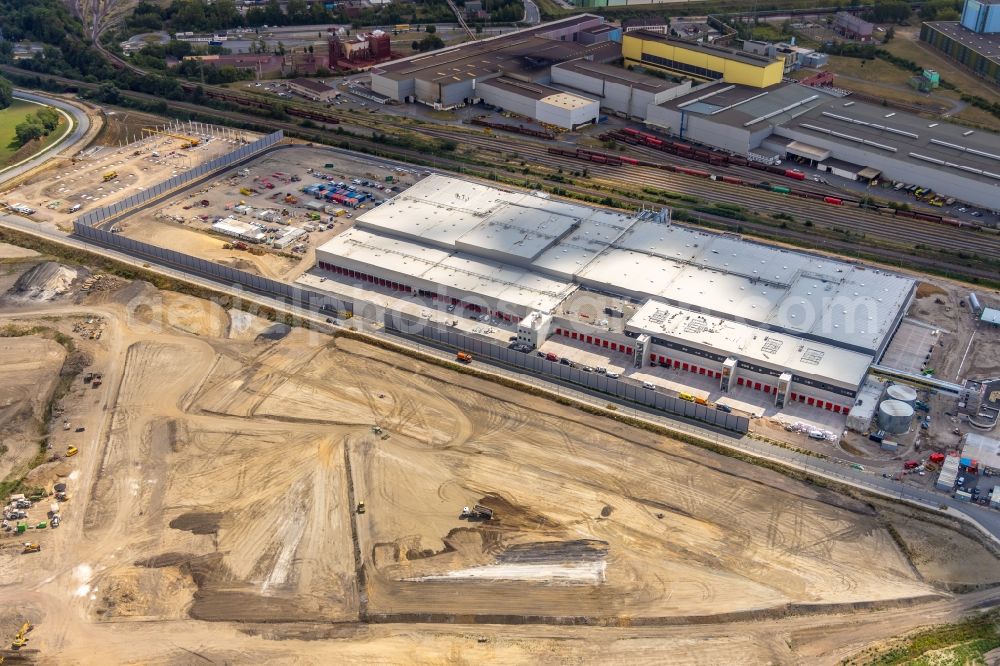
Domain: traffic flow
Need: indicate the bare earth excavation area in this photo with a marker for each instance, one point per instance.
(213, 512)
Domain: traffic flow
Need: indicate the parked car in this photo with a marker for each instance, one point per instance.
(724, 408)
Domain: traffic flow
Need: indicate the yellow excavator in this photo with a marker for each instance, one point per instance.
(21, 637)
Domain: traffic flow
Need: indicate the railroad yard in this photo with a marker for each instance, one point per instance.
(238, 482)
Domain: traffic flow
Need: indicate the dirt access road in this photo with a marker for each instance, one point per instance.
(213, 515)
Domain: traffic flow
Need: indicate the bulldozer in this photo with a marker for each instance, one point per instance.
(31, 547)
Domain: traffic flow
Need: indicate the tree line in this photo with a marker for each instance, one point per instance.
(218, 15)
(36, 125)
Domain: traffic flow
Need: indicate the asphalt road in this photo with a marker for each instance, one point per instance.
(81, 125)
(531, 14)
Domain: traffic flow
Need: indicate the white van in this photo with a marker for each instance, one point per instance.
(647, 385)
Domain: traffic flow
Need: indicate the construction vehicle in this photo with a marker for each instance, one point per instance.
(97, 380)
(111, 175)
(361, 507)
(72, 451)
(463, 357)
(377, 429)
(246, 191)
(477, 512)
(21, 637)
(289, 199)
(30, 547)
(87, 378)
(189, 141)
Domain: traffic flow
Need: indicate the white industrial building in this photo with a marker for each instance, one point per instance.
(542, 103)
(839, 134)
(621, 91)
(798, 326)
(981, 453)
(230, 226)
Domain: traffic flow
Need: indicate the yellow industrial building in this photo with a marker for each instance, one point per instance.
(700, 61)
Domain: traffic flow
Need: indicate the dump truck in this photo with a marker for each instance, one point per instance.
(464, 357)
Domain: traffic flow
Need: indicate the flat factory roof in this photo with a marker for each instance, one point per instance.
(985, 450)
(745, 107)
(802, 357)
(516, 226)
(538, 92)
(454, 270)
(311, 84)
(987, 45)
(699, 47)
(231, 225)
(800, 293)
(484, 56)
(796, 293)
(973, 153)
(618, 75)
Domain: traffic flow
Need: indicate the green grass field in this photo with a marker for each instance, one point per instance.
(9, 119)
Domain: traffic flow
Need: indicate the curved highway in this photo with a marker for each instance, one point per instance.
(79, 125)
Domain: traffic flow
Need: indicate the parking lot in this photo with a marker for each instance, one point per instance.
(281, 223)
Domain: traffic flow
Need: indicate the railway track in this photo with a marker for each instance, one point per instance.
(885, 227)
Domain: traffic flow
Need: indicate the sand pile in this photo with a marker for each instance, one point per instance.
(44, 282)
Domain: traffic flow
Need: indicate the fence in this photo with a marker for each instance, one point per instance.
(304, 298)
(407, 325)
(107, 212)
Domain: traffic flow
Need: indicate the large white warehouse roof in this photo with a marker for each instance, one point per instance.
(545, 246)
(804, 358)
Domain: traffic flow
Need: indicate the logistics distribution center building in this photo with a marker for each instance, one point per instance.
(797, 121)
(791, 324)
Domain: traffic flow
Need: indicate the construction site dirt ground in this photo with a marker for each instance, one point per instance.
(80, 181)
(212, 513)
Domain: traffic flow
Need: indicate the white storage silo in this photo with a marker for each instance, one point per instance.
(895, 416)
(902, 392)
